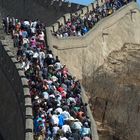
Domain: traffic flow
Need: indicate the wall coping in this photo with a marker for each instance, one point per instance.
(27, 99)
(94, 132)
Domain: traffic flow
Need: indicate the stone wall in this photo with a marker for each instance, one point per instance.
(115, 97)
(67, 16)
(15, 103)
(37, 9)
(83, 55)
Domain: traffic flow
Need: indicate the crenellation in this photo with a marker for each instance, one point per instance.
(84, 10)
(66, 17)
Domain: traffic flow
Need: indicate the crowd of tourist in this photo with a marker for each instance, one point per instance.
(79, 25)
(58, 110)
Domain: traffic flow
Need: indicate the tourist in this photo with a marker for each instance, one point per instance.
(79, 25)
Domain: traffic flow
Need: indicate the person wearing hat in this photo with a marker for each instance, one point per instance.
(76, 126)
(54, 119)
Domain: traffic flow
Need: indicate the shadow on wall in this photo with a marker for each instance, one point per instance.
(15, 102)
(34, 9)
(1, 138)
(12, 120)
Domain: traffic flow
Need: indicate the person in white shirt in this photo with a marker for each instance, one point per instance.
(49, 110)
(33, 27)
(55, 129)
(55, 119)
(33, 30)
(26, 23)
(66, 115)
(41, 58)
(66, 128)
(63, 138)
(35, 55)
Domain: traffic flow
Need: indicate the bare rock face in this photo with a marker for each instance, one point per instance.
(116, 92)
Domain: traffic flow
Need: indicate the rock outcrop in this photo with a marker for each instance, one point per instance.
(116, 92)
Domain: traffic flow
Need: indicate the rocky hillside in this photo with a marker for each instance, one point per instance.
(116, 92)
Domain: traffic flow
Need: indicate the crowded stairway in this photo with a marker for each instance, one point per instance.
(80, 24)
(58, 110)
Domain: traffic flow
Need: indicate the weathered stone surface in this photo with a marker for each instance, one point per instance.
(15, 101)
(11, 118)
(117, 82)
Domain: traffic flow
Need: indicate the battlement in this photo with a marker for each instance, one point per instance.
(96, 38)
(67, 16)
(44, 10)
